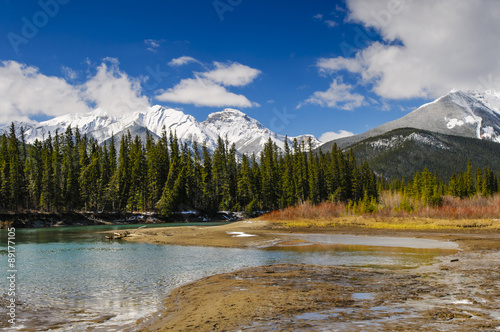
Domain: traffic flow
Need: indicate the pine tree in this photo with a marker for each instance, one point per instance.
(245, 195)
(47, 192)
(209, 201)
(123, 174)
(219, 173)
(287, 179)
(138, 179)
(16, 169)
(69, 172)
(313, 176)
(89, 180)
(4, 173)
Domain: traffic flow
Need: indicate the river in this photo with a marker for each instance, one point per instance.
(73, 279)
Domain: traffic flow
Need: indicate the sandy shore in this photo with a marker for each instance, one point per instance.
(461, 293)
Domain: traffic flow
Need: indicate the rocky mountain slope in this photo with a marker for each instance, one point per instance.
(402, 152)
(468, 114)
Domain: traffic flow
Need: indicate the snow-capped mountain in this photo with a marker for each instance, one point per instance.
(101, 126)
(468, 114)
(247, 133)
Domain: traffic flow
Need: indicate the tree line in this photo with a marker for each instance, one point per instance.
(428, 188)
(70, 171)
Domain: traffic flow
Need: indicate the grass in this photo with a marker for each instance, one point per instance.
(473, 213)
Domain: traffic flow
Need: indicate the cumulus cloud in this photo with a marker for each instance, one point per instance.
(339, 95)
(204, 92)
(331, 135)
(234, 74)
(428, 47)
(209, 88)
(183, 60)
(114, 91)
(25, 92)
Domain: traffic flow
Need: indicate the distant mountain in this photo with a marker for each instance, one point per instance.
(402, 152)
(246, 133)
(468, 114)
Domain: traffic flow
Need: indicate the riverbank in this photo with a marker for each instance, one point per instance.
(260, 233)
(459, 293)
(38, 219)
(451, 296)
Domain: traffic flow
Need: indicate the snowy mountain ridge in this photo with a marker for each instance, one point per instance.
(459, 113)
(246, 133)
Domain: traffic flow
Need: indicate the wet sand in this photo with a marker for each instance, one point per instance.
(460, 293)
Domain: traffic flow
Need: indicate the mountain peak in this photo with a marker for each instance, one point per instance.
(233, 111)
(248, 134)
(473, 114)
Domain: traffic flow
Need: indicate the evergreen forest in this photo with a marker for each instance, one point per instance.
(72, 172)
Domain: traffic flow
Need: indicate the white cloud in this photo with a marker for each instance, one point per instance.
(152, 44)
(234, 74)
(209, 88)
(114, 91)
(428, 47)
(183, 60)
(203, 92)
(318, 16)
(330, 65)
(337, 96)
(331, 135)
(69, 73)
(25, 92)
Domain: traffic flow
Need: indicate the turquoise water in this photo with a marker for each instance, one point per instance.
(72, 279)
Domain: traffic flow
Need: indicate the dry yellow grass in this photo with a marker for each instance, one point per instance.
(391, 223)
(456, 214)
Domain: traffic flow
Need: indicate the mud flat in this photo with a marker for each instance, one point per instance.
(459, 293)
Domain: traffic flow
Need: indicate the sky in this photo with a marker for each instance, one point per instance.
(327, 68)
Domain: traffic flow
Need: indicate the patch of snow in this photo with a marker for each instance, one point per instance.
(387, 143)
(240, 234)
(398, 140)
(461, 302)
(453, 123)
(470, 119)
(488, 132)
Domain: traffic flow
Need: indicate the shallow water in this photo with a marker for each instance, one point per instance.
(73, 279)
(377, 241)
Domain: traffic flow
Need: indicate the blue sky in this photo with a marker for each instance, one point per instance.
(296, 66)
